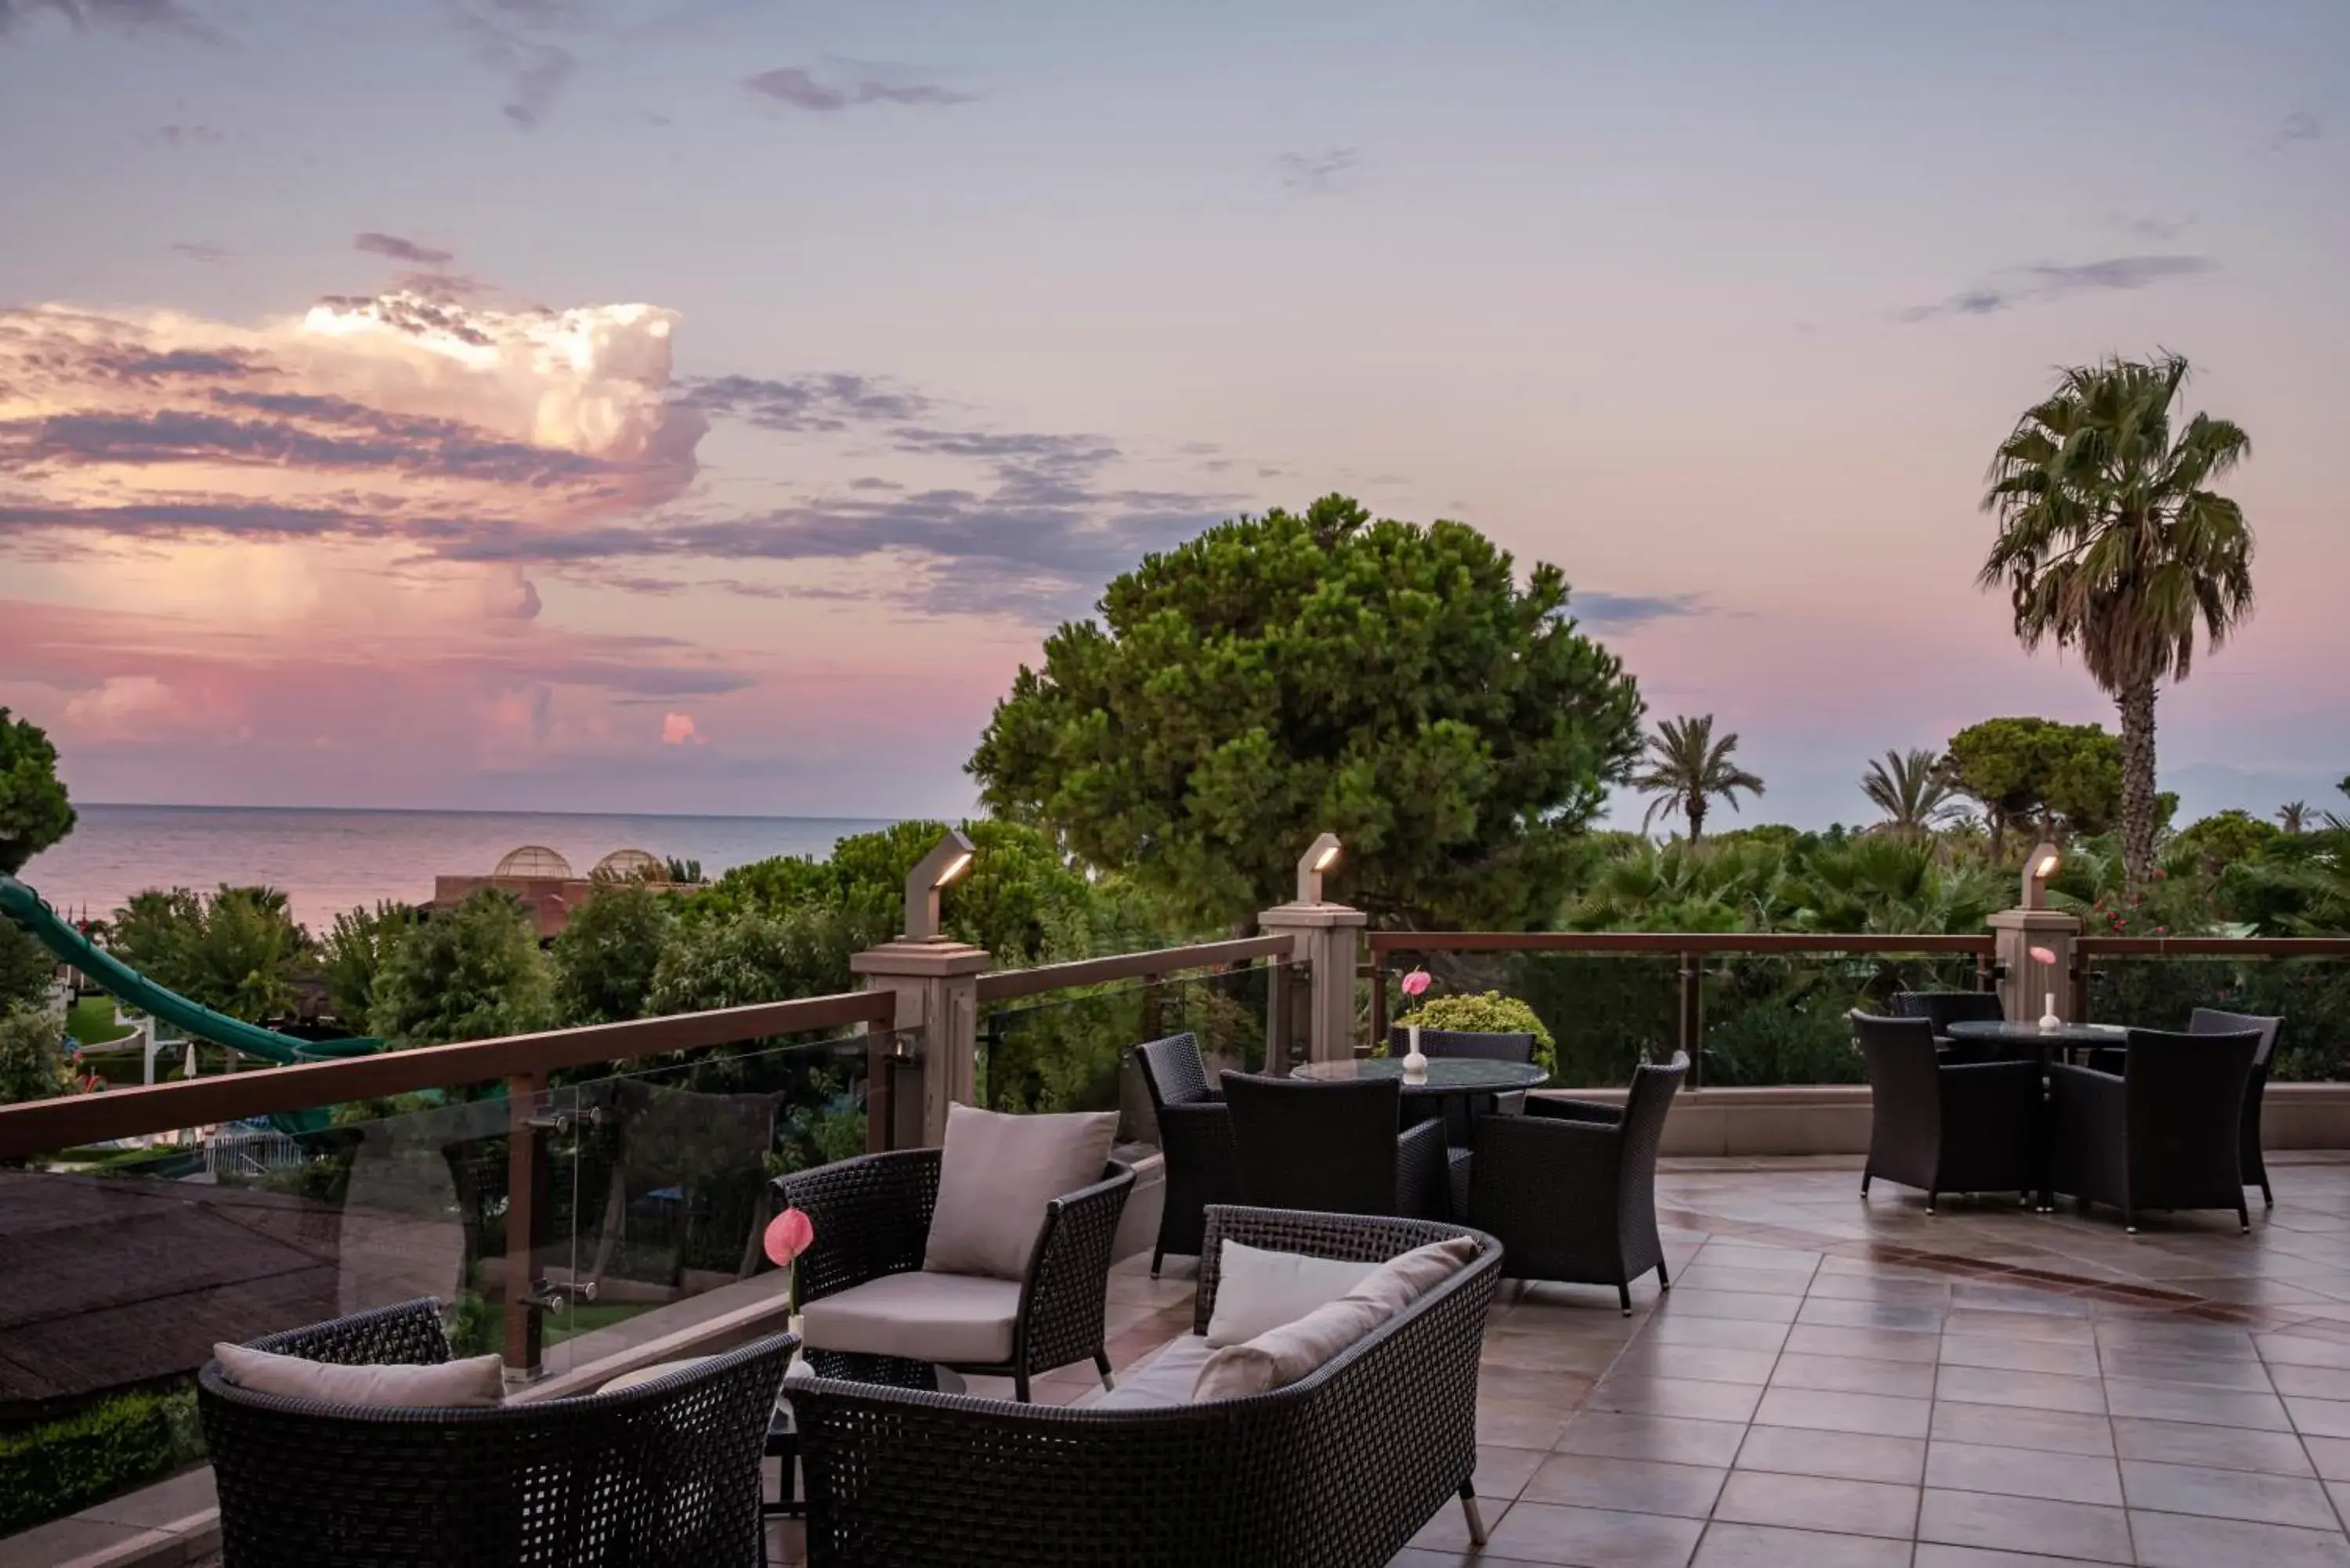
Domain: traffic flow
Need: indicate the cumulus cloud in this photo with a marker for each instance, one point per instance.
(827, 402)
(798, 89)
(677, 729)
(1625, 611)
(2043, 282)
(1317, 174)
(2298, 127)
(536, 71)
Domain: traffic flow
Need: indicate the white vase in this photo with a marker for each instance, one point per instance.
(1414, 1065)
(2048, 1019)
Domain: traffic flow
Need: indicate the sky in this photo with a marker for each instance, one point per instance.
(578, 405)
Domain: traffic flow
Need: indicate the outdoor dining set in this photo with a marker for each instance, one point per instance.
(1963, 1100)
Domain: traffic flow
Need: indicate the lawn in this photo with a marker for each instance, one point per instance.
(90, 1021)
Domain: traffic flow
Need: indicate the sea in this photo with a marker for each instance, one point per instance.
(327, 860)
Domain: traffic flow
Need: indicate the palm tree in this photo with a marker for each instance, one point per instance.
(2111, 542)
(1913, 790)
(1687, 768)
(2293, 816)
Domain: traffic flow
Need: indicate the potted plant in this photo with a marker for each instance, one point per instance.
(1479, 1013)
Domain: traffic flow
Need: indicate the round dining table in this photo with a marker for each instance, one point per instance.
(2015, 1034)
(1445, 1074)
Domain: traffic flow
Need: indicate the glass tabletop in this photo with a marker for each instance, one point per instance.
(1446, 1075)
(2017, 1031)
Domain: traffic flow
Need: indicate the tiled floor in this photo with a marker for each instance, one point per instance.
(1836, 1383)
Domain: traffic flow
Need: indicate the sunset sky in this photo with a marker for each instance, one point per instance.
(707, 406)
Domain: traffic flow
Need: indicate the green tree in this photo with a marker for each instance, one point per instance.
(752, 956)
(27, 969)
(353, 953)
(605, 957)
(35, 812)
(1287, 674)
(2038, 774)
(473, 972)
(2112, 541)
(236, 950)
(1688, 768)
(32, 1055)
(2210, 844)
(1913, 791)
(2293, 816)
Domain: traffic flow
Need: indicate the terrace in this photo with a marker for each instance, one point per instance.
(1830, 1380)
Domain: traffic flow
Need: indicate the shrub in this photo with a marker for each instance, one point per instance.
(1487, 1012)
(32, 1055)
(473, 972)
(60, 1467)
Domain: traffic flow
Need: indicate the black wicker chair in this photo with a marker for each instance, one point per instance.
(1944, 1008)
(872, 1218)
(2167, 1133)
(1333, 1148)
(2211, 1020)
(664, 1475)
(1479, 1044)
(1337, 1470)
(1947, 1127)
(1195, 1133)
(1569, 1188)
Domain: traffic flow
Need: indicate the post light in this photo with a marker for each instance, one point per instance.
(1319, 857)
(943, 864)
(2037, 869)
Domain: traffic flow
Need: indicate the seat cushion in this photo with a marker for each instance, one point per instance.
(920, 1316)
(996, 1173)
(474, 1382)
(1165, 1377)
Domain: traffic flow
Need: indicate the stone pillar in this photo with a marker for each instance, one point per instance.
(2025, 981)
(1328, 938)
(933, 1057)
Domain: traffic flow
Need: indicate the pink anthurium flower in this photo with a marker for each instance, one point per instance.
(789, 1234)
(1416, 982)
(2043, 955)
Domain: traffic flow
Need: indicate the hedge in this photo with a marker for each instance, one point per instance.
(64, 1466)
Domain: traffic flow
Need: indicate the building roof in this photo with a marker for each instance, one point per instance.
(534, 860)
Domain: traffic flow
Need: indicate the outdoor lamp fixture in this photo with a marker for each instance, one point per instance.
(929, 878)
(1319, 858)
(2037, 871)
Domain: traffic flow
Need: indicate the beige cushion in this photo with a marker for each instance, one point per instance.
(1160, 1380)
(1257, 1290)
(1292, 1351)
(476, 1381)
(996, 1173)
(922, 1316)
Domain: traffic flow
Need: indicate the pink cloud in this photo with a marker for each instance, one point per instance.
(677, 729)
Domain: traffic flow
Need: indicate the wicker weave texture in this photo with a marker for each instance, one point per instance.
(665, 1475)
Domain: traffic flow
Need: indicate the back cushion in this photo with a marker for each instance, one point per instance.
(1288, 1351)
(477, 1381)
(1258, 1289)
(996, 1173)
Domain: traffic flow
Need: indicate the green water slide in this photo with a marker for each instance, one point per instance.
(37, 921)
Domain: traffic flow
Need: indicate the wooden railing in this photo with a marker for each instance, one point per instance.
(1004, 985)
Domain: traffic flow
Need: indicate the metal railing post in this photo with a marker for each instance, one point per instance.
(1692, 1020)
(526, 1206)
(1379, 1030)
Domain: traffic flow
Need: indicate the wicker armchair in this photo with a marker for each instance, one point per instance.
(1944, 1008)
(1333, 1148)
(2211, 1020)
(1195, 1133)
(872, 1217)
(2165, 1134)
(1337, 1470)
(1483, 1045)
(1947, 1127)
(665, 1475)
(1569, 1188)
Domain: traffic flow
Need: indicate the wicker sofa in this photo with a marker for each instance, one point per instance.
(665, 1475)
(1338, 1470)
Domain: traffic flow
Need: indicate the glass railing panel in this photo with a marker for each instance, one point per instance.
(2312, 994)
(1606, 1012)
(1781, 1019)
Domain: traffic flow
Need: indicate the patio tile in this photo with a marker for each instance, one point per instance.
(2241, 1373)
(1636, 1437)
(1507, 1424)
(1843, 1456)
(1986, 1324)
(2297, 1350)
(1727, 1546)
(2319, 1418)
(1834, 1314)
(1876, 1288)
(2023, 1472)
(1592, 1537)
(2183, 1541)
(1820, 1409)
(2219, 1447)
(1748, 1306)
(1847, 1375)
(1870, 1343)
(2311, 1382)
(1819, 1502)
(2026, 1524)
(2185, 1402)
(1719, 1333)
(2010, 1426)
(2331, 1456)
(1705, 1362)
(1449, 1530)
(1533, 1351)
(1636, 1485)
(1685, 1396)
(2029, 1390)
(2009, 1354)
(1502, 1472)
(2209, 1342)
(1934, 1554)
(2227, 1494)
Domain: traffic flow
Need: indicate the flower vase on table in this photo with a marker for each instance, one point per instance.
(788, 1235)
(1414, 1065)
